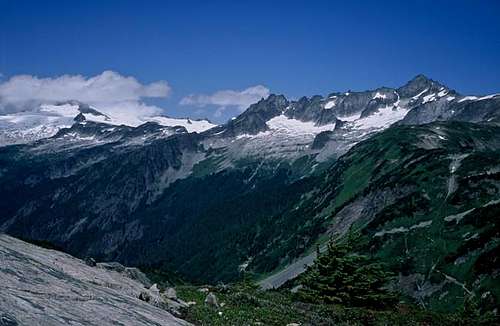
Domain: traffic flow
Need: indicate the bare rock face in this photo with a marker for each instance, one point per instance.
(46, 287)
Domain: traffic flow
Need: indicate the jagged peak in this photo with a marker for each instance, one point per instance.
(79, 118)
(272, 102)
(313, 98)
(419, 84)
(419, 78)
(274, 98)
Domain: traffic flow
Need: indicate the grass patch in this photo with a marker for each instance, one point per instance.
(244, 304)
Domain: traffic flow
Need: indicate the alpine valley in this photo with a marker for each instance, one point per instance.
(414, 170)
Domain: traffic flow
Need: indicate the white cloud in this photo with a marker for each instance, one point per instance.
(227, 98)
(110, 92)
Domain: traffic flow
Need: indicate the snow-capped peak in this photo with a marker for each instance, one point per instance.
(47, 119)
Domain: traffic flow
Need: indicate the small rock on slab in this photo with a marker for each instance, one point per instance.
(171, 293)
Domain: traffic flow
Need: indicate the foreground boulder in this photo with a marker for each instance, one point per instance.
(46, 287)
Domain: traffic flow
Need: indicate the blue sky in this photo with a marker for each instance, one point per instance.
(291, 47)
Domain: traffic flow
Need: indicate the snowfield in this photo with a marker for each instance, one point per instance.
(48, 119)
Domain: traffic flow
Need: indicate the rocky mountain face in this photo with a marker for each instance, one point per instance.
(258, 192)
(425, 199)
(47, 287)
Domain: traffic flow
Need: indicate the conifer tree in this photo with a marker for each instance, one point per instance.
(340, 276)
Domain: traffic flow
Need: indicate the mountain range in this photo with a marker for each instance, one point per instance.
(45, 120)
(414, 169)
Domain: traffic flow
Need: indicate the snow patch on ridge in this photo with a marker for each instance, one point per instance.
(383, 118)
(419, 94)
(379, 95)
(330, 104)
(475, 98)
(487, 97)
(190, 125)
(282, 123)
(429, 98)
(442, 93)
(468, 98)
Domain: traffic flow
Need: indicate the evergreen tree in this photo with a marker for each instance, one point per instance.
(342, 277)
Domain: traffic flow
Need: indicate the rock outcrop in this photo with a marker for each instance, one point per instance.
(46, 287)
